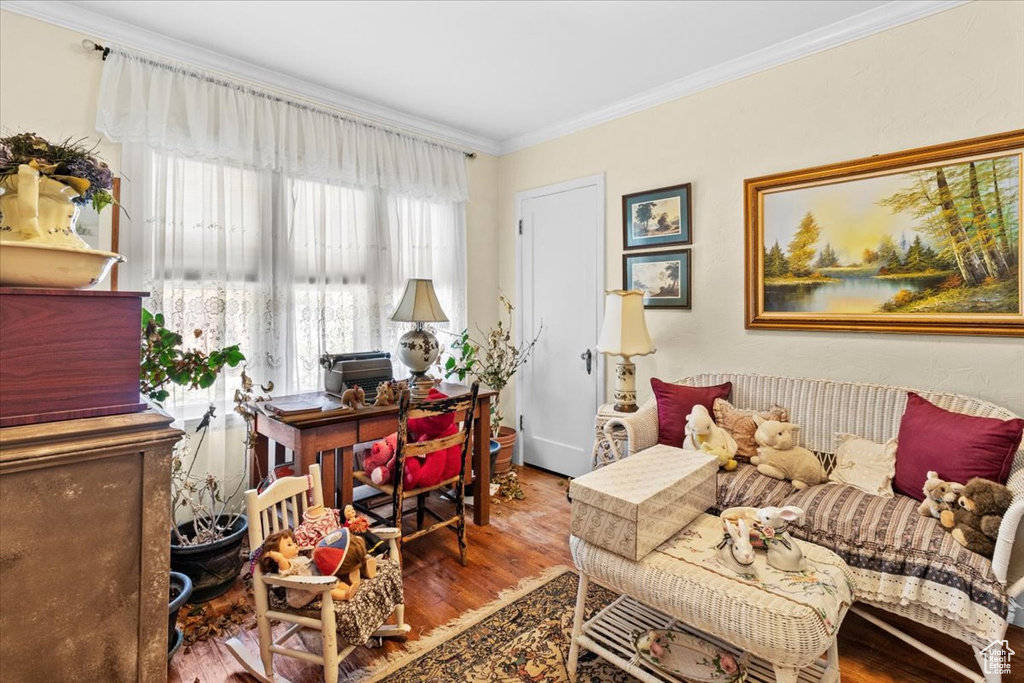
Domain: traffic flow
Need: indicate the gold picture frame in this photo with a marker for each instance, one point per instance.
(922, 241)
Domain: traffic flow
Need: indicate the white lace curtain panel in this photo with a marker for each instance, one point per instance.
(283, 228)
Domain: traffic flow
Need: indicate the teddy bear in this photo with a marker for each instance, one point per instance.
(702, 434)
(386, 394)
(939, 495)
(437, 466)
(779, 458)
(976, 518)
(380, 461)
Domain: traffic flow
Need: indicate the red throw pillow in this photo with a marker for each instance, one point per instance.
(955, 445)
(675, 402)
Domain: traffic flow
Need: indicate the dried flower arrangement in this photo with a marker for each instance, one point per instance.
(494, 362)
(68, 161)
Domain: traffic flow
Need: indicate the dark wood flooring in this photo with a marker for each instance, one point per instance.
(524, 538)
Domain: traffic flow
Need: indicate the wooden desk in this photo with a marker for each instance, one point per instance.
(331, 440)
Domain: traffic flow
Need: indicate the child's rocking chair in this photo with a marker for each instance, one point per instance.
(352, 623)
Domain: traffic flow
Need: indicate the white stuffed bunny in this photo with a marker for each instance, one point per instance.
(777, 457)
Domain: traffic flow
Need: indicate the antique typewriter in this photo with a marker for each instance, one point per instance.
(345, 370)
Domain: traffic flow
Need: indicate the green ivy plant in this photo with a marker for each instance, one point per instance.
(164, 361)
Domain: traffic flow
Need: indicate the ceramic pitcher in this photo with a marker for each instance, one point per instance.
(38, 209)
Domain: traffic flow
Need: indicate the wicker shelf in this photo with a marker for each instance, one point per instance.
(610, 634)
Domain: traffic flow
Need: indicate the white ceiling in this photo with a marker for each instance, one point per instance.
(505, 74)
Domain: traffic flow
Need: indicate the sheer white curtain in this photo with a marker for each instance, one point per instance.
(292, 245)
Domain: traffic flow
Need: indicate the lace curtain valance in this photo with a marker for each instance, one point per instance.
(175, 109)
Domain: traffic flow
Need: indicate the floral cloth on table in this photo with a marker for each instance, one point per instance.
(314, 527)
(826, 587)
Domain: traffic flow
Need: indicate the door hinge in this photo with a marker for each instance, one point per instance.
(520, 226)
(520, 423)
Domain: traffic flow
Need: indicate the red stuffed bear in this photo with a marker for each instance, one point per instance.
(380, 461)
(419, 471)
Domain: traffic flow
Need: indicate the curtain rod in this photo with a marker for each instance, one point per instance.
(96, 47)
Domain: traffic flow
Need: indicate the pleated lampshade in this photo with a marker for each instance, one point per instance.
(419, 304)
(624, 332)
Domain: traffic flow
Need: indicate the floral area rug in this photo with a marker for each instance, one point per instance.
(521, 637)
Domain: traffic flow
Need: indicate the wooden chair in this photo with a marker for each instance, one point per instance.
(463, 407)
(279, 507)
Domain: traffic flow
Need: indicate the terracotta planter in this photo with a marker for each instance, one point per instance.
(507, 438)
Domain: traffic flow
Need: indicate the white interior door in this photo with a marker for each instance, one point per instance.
(560, 286)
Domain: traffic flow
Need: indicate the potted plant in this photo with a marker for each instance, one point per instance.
(181, 589)
(494, 363)
(205, 547)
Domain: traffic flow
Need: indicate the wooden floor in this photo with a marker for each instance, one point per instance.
(524, 538)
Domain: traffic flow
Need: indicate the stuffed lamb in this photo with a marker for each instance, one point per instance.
(779, 458)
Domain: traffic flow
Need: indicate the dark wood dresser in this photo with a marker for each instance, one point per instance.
(84, 502)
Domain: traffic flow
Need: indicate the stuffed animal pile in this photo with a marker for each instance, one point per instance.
(423, 471)
(974, 521)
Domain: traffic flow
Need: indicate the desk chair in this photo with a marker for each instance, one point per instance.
(460, 405)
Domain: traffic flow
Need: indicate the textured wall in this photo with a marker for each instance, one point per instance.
(950, 76)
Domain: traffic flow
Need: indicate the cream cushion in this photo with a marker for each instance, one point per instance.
(864, 464)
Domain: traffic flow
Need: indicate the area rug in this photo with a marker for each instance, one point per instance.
(523, 636)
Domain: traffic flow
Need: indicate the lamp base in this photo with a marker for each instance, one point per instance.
(420, 386)
(418, 349)
(625, 387)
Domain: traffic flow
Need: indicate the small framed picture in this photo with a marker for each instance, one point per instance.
(657, 218)
(100, 230)
(663, 277)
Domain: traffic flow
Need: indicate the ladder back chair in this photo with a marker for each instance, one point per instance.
(462, 406)
(279, 507)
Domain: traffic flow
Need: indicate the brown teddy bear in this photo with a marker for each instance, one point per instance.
(975, 521)
(939, 495)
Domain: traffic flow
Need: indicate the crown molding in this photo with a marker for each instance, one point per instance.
(86, 21)
(858, 26)
(103, 28)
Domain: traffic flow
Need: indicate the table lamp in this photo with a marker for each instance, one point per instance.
(418, 348)
(624, 333)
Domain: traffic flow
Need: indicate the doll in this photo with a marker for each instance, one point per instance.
(317, 522)
(360, 526)
(344, 555)
(280, 555)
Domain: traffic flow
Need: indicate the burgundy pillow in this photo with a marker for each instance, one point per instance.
(675, 402)
(955, 445)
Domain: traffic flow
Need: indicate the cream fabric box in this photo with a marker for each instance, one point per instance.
(632, 506)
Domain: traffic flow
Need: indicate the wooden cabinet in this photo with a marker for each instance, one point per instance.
(84, 549)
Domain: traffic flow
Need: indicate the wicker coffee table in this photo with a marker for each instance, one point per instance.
(785, 620)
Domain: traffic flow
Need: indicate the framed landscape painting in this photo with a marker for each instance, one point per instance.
(924, 241)
(663, 277)
(657, 218)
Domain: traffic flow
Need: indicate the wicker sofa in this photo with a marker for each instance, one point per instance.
(904, 563)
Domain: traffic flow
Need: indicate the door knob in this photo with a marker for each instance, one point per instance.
(589, 357)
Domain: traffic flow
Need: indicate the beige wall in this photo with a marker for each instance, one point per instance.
(951, 76)
(49, 85)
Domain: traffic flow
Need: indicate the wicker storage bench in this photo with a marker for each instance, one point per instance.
(902, 562)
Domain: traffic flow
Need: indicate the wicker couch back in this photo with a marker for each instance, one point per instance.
(823, 408)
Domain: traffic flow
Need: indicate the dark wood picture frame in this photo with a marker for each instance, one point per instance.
(917, 308)
(685, 280)
(684, 193)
